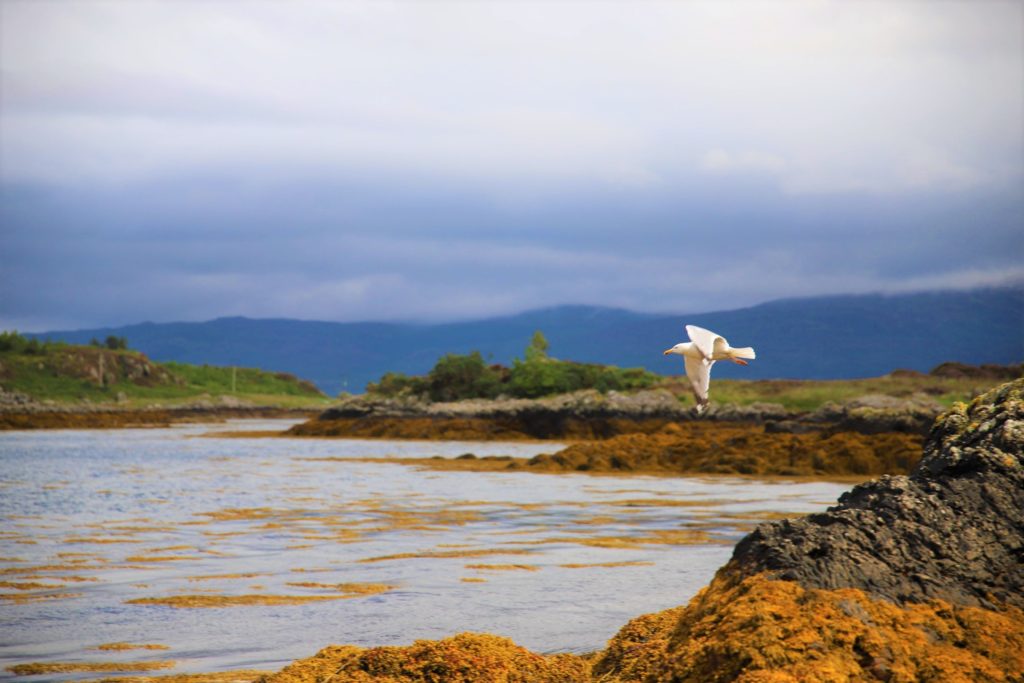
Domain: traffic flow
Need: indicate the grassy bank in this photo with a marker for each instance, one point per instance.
(66, 375)
(807, 395)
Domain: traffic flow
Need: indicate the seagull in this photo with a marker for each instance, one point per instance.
(700, 353)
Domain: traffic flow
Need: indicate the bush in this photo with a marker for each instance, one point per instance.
(12, 341)
(397, 384)
(457, 377)
(16, 343)
(116, 343)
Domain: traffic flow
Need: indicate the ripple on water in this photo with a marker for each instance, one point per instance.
(248, 553)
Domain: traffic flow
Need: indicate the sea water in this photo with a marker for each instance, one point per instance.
(94, 519)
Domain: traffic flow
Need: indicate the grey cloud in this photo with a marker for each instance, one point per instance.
(448, 160)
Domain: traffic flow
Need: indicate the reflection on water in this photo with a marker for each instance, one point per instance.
(245, 553)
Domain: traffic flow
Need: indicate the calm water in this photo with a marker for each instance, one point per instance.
(96, 518)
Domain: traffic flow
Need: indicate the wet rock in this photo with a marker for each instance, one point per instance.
(953, 529)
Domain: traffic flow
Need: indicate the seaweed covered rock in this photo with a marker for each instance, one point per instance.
(953, 529)
(464, 658)
(763, 630)
(727, 448)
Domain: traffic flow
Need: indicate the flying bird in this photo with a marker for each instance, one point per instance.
(700, 353)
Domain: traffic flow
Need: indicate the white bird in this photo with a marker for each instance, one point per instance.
(700, 353)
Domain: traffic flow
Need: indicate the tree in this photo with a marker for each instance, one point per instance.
(456, 377)
(12, 341)
(114, 343)
(538, 348)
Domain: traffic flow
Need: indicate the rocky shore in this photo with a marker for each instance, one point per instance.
(592, 415)
(18, 411)
(651, 432)
(909, 578)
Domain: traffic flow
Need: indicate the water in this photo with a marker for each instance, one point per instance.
(103, 517)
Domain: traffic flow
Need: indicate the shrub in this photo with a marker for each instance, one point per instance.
(397, 384)
(12, 341)
(456, 377)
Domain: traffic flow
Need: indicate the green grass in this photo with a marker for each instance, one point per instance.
(66, 373)
(805, 395)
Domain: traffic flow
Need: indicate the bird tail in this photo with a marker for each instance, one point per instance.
(745, 352)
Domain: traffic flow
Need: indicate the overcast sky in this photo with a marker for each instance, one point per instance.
(448, 160)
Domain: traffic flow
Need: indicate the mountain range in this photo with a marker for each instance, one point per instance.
(833, 337)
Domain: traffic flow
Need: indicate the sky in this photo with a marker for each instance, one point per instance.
(434, 161)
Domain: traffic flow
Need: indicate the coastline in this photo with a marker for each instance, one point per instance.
(112, 417)
(877, 588)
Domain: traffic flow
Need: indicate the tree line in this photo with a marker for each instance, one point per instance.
(462, 376)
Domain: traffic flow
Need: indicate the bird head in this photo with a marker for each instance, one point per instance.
(678, 348)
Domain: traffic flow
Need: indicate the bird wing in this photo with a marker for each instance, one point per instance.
(706, 341)
(699, 373)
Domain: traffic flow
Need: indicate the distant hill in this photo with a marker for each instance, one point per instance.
(836, 337)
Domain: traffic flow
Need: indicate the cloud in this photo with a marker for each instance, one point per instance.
(503, 92)
(428, 161)
(720, 161)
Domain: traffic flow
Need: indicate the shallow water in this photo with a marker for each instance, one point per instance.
(103, 517)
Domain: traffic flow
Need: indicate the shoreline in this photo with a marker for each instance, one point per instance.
(111, 417)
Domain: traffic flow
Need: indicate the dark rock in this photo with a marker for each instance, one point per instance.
(988, 371)
(791, 427)
(953, 529)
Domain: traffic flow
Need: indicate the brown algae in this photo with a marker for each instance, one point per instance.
(353, 588)
(40, 668)
(23, 598)
(447, 554)
(207, 601)
(237, 676)
(504, 567)
(587, 565)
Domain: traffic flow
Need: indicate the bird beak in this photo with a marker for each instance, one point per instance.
(667, 351)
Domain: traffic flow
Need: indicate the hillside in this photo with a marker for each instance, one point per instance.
(838, 337)
(66, 373)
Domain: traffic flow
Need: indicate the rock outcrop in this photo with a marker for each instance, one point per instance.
(592, 415)
(954, 529)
